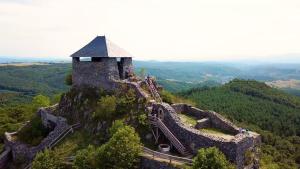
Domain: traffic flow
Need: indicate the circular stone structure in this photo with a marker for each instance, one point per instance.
(164, 148)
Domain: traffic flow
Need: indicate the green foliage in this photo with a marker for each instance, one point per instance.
(117, 124)
(171, 98)
(85, 158)
(249, 157)
(252, 102)
(167, 96)
(210, 158)
(56, 98)
(272, 113)
(1, 147)
(47, 159)
(121, 151)
(34, 132)
(68, 79)
(40, 101)
(106, 108)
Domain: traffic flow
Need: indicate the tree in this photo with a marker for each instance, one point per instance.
(68, 79)
(106, 108)
(40, 101)
(47, 159)
(85, 158)
(121, 151)
(116, 126)
(210, 158)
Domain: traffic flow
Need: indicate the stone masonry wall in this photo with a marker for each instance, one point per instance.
(125, 67)
(95, 74)
(5, 157)
(23, 152)
(216, 120)
(194, 139)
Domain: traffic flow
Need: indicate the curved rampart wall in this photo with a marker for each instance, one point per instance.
(193, 139)
(23, 152)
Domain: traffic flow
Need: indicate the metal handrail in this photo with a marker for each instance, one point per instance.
(157, 122)
(57, 139)
(167, 156)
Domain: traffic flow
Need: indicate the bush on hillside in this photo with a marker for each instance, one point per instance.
(210, 158)
(121, 151)
(47, 159)
(68, 80)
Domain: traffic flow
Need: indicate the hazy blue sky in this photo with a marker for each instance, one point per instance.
(154, 29)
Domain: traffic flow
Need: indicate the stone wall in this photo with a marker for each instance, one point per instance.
(24, 153)
(95, 74)
(147, 163)
(5, 157)
(216, 120)
(194, 139)
(125, 67)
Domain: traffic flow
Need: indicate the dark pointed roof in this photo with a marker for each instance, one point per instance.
(101, 47)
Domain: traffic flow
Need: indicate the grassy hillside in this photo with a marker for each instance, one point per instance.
(254, 105)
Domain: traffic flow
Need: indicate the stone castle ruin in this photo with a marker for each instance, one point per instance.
(102, 64)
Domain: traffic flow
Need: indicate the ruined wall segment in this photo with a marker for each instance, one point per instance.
(234, 149)
(216, 119)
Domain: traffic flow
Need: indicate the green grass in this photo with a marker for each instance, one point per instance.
(78, 140)
(188, 119)
(214, 131)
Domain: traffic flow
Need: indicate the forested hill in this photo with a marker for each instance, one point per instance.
(252, 102)
(254, 105)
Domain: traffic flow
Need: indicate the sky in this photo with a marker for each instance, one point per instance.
(189, 30)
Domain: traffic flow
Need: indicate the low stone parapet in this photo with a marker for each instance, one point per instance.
(5, 157)
(22, 152)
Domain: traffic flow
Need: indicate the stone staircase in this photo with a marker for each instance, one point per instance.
(156, 122)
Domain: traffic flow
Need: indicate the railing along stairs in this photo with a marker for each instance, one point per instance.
(155, 121)
(58, 139)
(153, 89)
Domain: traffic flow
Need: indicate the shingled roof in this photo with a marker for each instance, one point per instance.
(101, 47)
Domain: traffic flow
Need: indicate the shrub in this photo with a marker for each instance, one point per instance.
(40, 101)
(249, 157)
(85, 158)
(47, 159)
(210, 158)
(34, 132)
(68, 79)
(116, 126)
(106, 108)
(122, 150)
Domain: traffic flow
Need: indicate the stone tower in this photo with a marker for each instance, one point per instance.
(100, 64)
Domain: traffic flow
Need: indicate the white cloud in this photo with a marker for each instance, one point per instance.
(152, 29)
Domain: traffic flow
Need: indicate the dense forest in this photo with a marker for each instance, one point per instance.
(254, 105)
